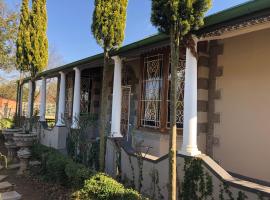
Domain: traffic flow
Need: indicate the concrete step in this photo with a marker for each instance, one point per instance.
(5, 187)
(3, 177)
(13, 195)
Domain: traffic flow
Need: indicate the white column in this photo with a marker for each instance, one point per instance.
(21, 101)
(61, 101)
(189, 146)
(42, 106)
(76, 99)
(30, 86)
(116, 99)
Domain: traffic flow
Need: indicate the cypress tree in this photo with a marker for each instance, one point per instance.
(39, 42)
(177, 18)
(32, 42)
(23, 44)
(39, 39)
(108, 28)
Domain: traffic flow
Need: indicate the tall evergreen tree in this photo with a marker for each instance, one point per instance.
(177, 18)
(39, 39)
(23, 45)
(39, 42)
(23, 58)
(108, 27)
(32, 42)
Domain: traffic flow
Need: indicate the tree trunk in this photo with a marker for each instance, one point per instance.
(103, 113)
(18, 97)
(31, 119)
(173, 134)
(20, 101)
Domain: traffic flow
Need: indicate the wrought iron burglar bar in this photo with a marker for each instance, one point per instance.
(152, 94)
(179, 94)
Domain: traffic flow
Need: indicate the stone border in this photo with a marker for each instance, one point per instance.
(215, 49)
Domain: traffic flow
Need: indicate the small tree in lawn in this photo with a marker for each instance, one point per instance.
(177, 18)
(32, 42)
(108, 27)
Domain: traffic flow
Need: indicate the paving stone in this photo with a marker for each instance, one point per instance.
(5, 187)
(2, 177)
(13, 195)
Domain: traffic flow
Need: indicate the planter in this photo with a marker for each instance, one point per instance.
(10, 144)
(24, 141)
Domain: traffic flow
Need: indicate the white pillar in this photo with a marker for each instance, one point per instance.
(76, 99)
(21, 101)
(61, 101)
(30, 86)
(42, 106)
(116, 98)
(189, 146)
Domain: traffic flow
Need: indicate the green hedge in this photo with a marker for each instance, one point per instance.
(58, 168)
(103, 187)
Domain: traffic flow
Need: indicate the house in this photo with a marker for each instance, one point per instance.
(7, 107)
(223, 99)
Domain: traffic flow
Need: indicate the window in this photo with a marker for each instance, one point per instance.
(152, 89)
(86, 88)
(179, 94)
(155, 91)
(69, 94)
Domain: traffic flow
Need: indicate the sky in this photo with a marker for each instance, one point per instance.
(69, 23)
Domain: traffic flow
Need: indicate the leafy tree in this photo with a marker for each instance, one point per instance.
(32, 42)
(8, 89)
(177, 18)
(108, 27)
(8, 33)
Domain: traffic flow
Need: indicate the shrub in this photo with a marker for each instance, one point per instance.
(76, 174)
(58, 168)
(6, 123)
(102, 187)
(55, 167)
(38, 151)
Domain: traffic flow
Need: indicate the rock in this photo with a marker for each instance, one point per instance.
(2, 177)
(5, 187)
(35, 163)
(13, 195)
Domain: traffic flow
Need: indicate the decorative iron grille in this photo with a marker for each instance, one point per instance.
(179, 94)
(69, 95)
(125, 110)
(152, 86)
(86, 84)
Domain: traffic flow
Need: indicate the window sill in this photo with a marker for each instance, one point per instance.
(158, 131)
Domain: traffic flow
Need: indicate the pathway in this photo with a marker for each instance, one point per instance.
(7, 191)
